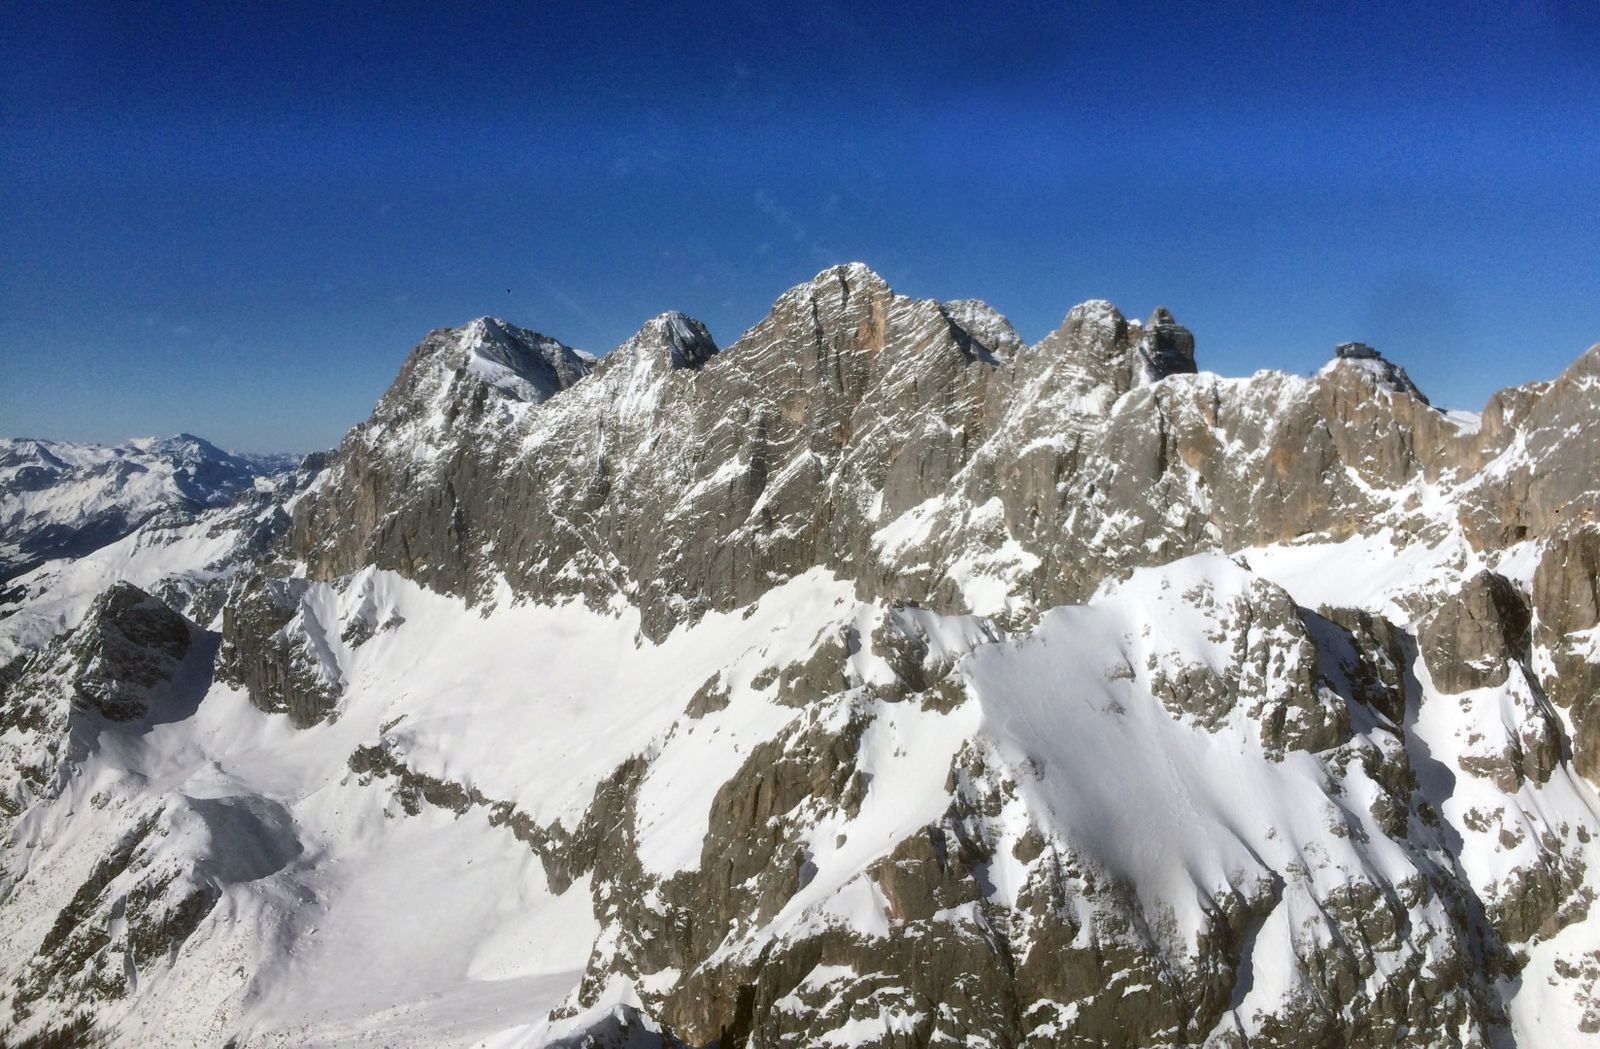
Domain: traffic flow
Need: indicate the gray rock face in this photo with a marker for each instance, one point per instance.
(1538, 447)
(1373, 666)
(129, 661)
(1566, 600)
(847, 419)
(407, 482)
(1473, 639)
(273, 648)
(133, 643)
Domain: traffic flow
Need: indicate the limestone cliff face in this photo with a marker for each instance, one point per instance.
(1566, 600)
(1537, 448)
(914, 446)
(676, 477)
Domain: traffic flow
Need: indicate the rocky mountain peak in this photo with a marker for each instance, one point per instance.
(520, 363)
(463, 372)
(675, 339)
(630, 376)
(839, 292)
(987, 325)
(127, 613)
(1166, 347)
(1586, 367)
(1096, 319)
(825, 331)
(1374, 369)
(1091, 330)
(850, 278)
(180, 446)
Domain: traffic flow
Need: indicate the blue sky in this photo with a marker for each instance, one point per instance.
(235, 219)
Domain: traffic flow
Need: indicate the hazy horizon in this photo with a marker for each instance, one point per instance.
(724, 344)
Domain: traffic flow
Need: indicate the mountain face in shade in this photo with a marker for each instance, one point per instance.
(876, 680)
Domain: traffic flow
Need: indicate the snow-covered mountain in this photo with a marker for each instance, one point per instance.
(876, 681)
(63, 500)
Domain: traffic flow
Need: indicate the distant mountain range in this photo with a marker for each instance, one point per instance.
(65, 500)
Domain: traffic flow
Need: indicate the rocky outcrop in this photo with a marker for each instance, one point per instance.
(1166, 347)
(1366, 658)
(1271, 676)
(1566, 601)
(131, 660)
(1474, 638)
(274, 647)
(129, 644)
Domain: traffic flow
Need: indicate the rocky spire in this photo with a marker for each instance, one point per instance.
(1099, 344)
(1166, 348)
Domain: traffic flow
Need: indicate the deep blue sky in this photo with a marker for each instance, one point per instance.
(235, 219)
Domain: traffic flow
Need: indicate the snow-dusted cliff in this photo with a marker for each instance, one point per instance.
(877, 680)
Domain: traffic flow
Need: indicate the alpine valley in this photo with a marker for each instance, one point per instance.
(877, 680)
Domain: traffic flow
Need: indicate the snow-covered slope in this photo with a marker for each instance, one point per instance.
(877, 680)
